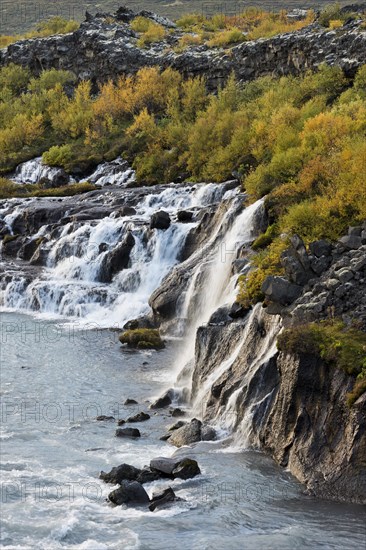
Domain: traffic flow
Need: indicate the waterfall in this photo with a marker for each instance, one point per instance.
(33, 171)
(212, 284)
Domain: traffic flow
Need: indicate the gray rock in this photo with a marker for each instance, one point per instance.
(184, 216)
(117, 260)
(103, 417)
(128, 432)
(164, 465)
(163, 401)
(130, 493)
(130, 402)
(161, 500)
(177, 425)
(208, 433)
(351, 242)
(321, 248)
(187, 434)
(280, 290)
(147, 476)
(344, 275)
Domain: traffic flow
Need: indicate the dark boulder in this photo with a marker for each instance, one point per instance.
(177, 425)
(120, 473)
(130, 493)
(296, 262)
(103, 417)
(238, 311)
(163, 401)
(161, 500)
(160, 220)
(177, 412)
(220, 316)
(186, 469)
(280, 290)
(184, 216)
(139, 417)
(121, 422)
(126, 211)
(29, 248)
(130, 402)
(321, 248)
(116, 260)
(128, 432)
(12, 245)
(147, 476)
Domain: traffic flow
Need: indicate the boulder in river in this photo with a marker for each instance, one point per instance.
(130, 402)
(128, 432)
(139, 417)
(103, 417)
(161, 500)
(164, 465)
(116, 260)
(160, 220)
(163, 401)
(186, 469)
(187, 434)
(130, 493)
(184, 216)
(120, 473)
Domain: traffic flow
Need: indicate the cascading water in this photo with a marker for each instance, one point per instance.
(76, 252)
(212, 283)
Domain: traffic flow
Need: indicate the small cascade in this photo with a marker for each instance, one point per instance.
(33, 171)
(118, 172)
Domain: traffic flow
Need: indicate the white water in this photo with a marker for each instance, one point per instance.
(33, 171)
(69, 285)
(116, 173)
(218, 286)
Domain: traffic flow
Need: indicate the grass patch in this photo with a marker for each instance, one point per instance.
(9, 190)
(142, 338)
(338, 345)
(54, 25)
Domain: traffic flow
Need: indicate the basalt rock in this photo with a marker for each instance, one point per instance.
(129, 493)
(128, 432)
(117, 260)
(103, 48)
(160, 220)
(161, 500)
(124, 472)
(139, 417)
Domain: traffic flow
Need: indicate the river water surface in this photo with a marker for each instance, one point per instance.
(55, 380)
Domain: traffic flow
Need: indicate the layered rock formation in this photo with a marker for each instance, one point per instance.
(105, 46)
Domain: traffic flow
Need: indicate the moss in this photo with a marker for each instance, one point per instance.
(338, 345)
(142, 338)
(9, 238)
(9, 189)
(265, 239)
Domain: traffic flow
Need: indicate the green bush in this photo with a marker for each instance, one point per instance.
(142, 338)
(58, 155)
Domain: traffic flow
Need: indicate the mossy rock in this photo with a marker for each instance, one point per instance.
(142, 338)
(9, 238)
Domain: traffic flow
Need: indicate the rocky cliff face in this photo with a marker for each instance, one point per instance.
(293, 407)
(106, 46)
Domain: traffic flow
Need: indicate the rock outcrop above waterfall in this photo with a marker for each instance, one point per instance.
(327, 280)
(105, 46)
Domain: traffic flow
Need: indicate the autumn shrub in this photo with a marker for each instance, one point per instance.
(226, 38)
(150, 31)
